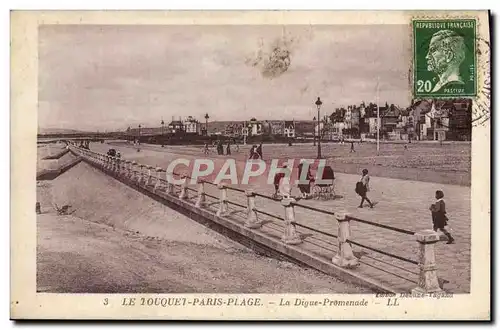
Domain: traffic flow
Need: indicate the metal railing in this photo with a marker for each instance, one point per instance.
(344, 256)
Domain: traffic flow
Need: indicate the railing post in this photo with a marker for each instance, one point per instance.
(252, 220)
(170, 186)
(344, 258)
(223, 205)
(133, 175)
(184, 186)
(124, 168)
(118, 169)
(149, 181)
(145, 175)
(117, 166)
(428, 279)
(140, 174)
(113, 165)
(158, 184)
(99, 157)
(200, 202)
(290, 236)
(127, 171)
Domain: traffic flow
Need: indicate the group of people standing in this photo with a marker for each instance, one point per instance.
(220, 148)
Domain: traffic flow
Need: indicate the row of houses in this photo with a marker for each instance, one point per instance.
(422, 120)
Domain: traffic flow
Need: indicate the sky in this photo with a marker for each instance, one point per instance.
(112, 77)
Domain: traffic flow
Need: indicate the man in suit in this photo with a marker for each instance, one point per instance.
(446, 53)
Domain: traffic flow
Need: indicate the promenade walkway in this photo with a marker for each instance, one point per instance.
(400, 203)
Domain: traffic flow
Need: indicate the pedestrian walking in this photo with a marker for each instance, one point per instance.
(362, 187)
(220, 148)
(206, 149)
(352, 147)
(439, 218)
(253, 152)
(259, 150)
(228, 149)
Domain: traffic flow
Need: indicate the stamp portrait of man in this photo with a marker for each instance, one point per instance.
(446, 54)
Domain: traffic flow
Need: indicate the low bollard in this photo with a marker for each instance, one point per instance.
(223, 204)
(252, 220)
(184, 186)
(428, 279)
(200, 202)
(344, 258)
(159, 182)
(290, 236)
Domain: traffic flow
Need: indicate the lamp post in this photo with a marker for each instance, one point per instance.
(206, 123)
(314, 131)
(318, 105)
(162, 131)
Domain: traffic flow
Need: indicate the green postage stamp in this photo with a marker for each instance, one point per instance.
(444, 58)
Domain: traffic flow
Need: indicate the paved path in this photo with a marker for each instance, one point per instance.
(401, 203)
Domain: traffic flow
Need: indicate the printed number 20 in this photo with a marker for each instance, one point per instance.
(424, 86)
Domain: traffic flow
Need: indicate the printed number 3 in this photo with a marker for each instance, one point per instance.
(105, 301)
(424, 86)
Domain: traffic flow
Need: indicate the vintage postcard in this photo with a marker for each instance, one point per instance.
(250, 165)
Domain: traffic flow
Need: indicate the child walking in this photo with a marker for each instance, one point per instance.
(439, 218)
